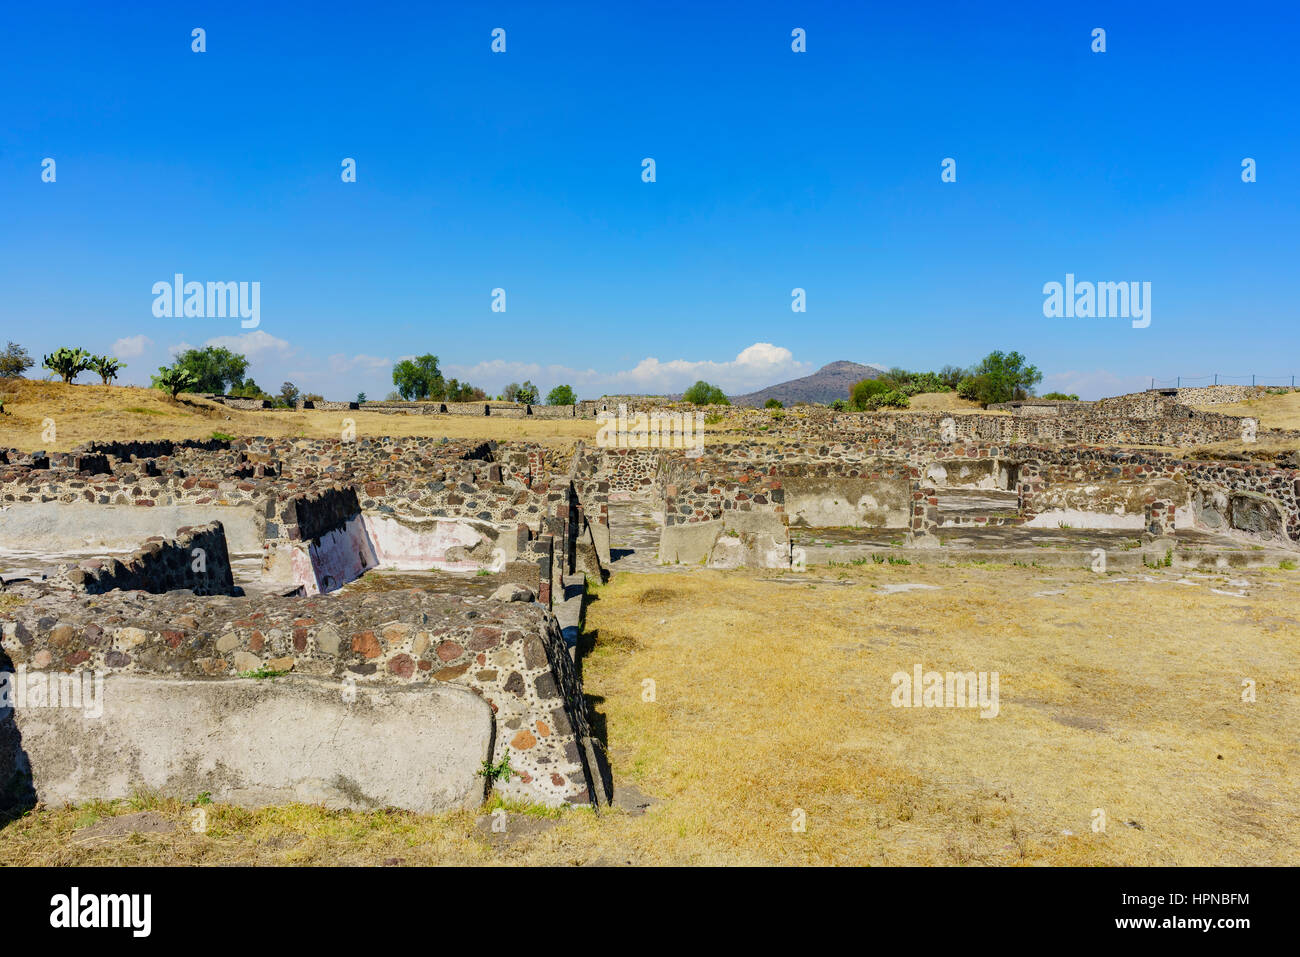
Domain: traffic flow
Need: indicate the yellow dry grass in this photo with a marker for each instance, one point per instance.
(943, 402)
(1273, 411)
(83, 413)
(769, 698)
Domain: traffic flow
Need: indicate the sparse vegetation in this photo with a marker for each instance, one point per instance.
(106, 367)
(174, 381)
(67, 363)
(14, 361)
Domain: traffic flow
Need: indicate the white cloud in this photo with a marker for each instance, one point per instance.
(131, 346)
(255, 345)
(341, 364)
(174, 351)
(755, 367)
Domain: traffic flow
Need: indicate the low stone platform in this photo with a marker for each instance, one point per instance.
(236, 650)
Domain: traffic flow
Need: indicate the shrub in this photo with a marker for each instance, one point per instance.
(1061, 396)
(893, 399)
(14, 361)
(106, 367)
(773, 404)
(68, 363)
(248, 389)
(865, 390)
(703, 393)
(174, 380)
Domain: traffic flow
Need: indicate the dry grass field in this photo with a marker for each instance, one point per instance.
(1278, 411)
(772, 693)
(83, 413)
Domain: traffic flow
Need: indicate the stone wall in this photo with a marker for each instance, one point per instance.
(510, 654)
(196, 560)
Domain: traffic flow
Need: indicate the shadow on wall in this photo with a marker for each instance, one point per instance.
(17, 788)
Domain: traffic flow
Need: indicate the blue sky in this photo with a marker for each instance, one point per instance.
(775, 170)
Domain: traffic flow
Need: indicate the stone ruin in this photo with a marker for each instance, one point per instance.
(350, 698)
(210, 599)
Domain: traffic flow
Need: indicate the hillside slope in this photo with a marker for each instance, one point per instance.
(830, 382)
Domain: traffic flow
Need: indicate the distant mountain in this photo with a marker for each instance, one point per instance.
(827, 384)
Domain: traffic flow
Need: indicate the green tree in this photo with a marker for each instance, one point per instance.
(14, 361)
(68, 363)
(215, 368)
(419, 378)
(106, 367)
(361, 397)
(527, 394)
(289, 395)
(248, 389)
(773, 404)
(951, 375)
(561, 395)
(862, 392)
(174, 380)
(1061, 396)
(1001, 377)
(703, 393)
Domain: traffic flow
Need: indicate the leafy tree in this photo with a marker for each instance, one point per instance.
(702, 393)
(106, 367)
(289, 395)
(1001, 377)
(561, 395)
(1061, 396)
(215, 368)
(509, 392)
(14, 361)
(361, 397)
(174, 380)
(68, 363)
(951, 375)
(527, 394)
(313, 397)
(458, 391)
(895, 378)
(248, 389)
(970, 387)
(864, 391)
(773, 404)
(419, 378)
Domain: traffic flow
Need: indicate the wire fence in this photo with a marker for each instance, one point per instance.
(1218, 378)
